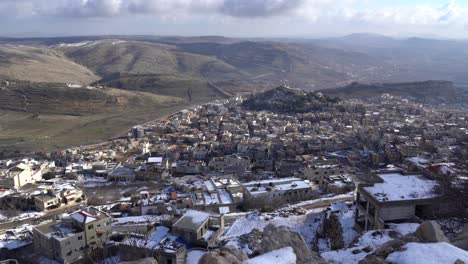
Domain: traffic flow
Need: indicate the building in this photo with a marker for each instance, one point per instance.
(199, 228)
(275, 192)
(393, 197)
(62, 241)
(65, 240)
(46, 201)
(16, 176)
(121, 174)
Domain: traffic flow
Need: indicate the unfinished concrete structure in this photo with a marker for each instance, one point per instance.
(394, 197)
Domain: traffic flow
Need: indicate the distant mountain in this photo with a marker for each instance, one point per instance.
(288, 100)
(107, 57)
(435, 92)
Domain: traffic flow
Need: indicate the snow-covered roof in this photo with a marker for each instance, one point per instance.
(192, 219)
(155, 159)
(82, 217)
(398, 187)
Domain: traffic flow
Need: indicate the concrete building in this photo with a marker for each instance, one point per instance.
(16, 176)
(275, 192)
(65, 240)
(199, 228)
(394, 197)
(121, 174)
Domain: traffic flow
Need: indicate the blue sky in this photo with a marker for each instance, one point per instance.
(239, 18)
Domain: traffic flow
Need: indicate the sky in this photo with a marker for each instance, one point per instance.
(234, 18)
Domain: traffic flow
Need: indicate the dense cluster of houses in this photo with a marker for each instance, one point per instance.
(217, 159)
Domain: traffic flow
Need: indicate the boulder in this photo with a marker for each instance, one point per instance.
(389, 247)
(372, 259)
(224, 255)
(461, 241)
(430, 232)
(279, 237)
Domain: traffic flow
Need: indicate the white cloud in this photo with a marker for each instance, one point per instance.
(336, 13)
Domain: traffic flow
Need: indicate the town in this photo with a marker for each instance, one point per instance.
(336, 181)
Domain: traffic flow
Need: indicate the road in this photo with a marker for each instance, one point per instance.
(49, 215)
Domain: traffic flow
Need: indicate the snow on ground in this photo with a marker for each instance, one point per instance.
(22, 216)
(194, 256)
(305, 224)
(324, 199)
(373, 239)
(284, 255)
(429, 253)
(404, 228)
(95, 182)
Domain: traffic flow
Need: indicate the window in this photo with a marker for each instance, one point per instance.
(69, 253)
(90, 227)
(99, 225)
(80, 238)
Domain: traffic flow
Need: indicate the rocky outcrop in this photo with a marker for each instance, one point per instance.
(427, 232)
(461, 241)
(287, 100)
(274, 237)
(430, 231)
(224, 255)
(330, 228)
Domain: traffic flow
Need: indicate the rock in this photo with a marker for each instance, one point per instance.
(371, 259)
(225, 255)
(367, 249)
(330, 228)
(278, 237)
(410, 238)
(430, 232)
(461, 241)
(388, 248)
(356, 251)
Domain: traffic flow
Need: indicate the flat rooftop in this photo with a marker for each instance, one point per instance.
(398, 187)
(192, 219)
(58, 230)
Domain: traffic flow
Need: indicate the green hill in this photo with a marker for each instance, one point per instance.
(40, 116)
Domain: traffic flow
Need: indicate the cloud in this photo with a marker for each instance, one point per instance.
(305, 11)
(111, 8)
(259, 8)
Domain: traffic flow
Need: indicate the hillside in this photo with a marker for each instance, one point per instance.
(193, 90)
(39, 64)
(38, 116)
(288, 100)
(107, 57)
(427, 92)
